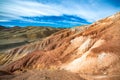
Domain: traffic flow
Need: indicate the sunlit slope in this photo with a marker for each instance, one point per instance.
(93, 49)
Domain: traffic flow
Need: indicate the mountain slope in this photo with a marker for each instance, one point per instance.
(17, 36)
(16, 42)
(94, 50)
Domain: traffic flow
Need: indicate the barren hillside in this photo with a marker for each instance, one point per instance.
(88, 50)
(11, 37)
(16, 42)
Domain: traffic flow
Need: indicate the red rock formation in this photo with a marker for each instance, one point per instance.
(95, 50)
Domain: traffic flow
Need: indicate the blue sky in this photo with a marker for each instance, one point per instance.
(56, 13)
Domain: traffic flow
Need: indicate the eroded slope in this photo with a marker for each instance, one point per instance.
(95, 50)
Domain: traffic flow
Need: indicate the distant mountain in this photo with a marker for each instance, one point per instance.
(2, 27)
(17, 36)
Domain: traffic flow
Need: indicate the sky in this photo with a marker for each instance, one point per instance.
(55, 13)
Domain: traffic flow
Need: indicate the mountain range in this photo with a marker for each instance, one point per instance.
(90, 52)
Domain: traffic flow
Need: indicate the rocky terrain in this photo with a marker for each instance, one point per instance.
(14, 41)
(17, 36)
(91, 52)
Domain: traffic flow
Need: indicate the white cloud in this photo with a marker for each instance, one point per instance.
(28, 8)
(4, 20)
(87, 9)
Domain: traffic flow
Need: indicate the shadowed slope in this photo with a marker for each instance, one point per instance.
(16, 42)
(17, 36)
